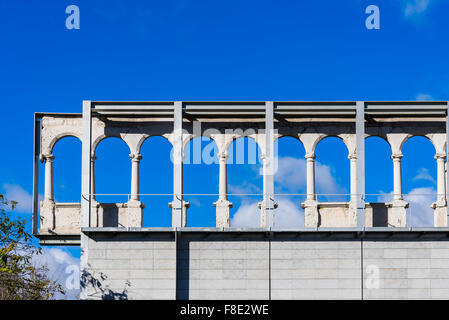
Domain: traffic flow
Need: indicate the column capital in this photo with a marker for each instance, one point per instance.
(135, 157)
(352, 156)
(310, 156)
(440, 156)
(223, 156)
(397, 156)
(47, 157)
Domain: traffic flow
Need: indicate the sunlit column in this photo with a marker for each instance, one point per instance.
(397, 208)
(222, 205)
(135, 160)
(47, 207)
(310, 158)
(223, 179)
(49, 194)
(310, 206)
(397, 188)
(441, 183)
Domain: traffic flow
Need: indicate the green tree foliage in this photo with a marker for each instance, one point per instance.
(20, 279)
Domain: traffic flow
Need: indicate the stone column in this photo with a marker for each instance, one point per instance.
(135, 160)
(222, 205)
(353, 199)
(397, 208)
(440, 206)
(47, 206)
(310, 206)
(135, 207)
(310, 159)
(49, 191)
(397, 176)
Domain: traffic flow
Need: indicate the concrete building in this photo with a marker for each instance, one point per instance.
(352, 250)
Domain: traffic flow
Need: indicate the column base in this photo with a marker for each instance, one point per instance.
(47, 216)
(222, 214)
(439, 213)
(352, 213)
(95, 214)
(175, 212)
(263, 212)
(134, 213)
(311, 214)
(397, 213)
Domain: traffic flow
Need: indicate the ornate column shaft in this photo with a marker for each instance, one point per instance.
(441, 183)
(310, 158)
(49, 190)
(47, 206)
(222, 205)
(310, 206)
(135, 207)
(397, 208)
(223, 179)
(397, 176)
(135, 160)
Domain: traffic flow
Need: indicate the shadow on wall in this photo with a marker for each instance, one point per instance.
(93, 282)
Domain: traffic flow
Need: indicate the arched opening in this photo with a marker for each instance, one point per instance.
(332, 171)
(67, 170)
(112, 171)
(156, 182)
(290, 183)
(378, 170)
(245, 182)
(419, 180)
(201, 175)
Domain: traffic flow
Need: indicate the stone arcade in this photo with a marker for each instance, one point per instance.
(326, 259)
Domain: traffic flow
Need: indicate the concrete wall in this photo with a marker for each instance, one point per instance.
(130, 267)
(257, 265)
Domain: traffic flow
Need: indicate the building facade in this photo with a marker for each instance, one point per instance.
(353, 249)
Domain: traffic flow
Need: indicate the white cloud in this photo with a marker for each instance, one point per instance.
(292, 174)
(290, 178)
(424, 97)
(415, 7)
(247, 215)
(287, 215)
(420, 213)
(17, 193)
(62, 268)
(423, 174)
(245, 188)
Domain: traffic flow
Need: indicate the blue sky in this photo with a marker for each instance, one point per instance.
(215, 50)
